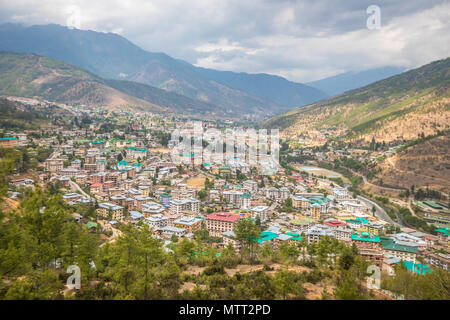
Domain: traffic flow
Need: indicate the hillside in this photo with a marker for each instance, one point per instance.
(425, 164)
(29, 75)
(113, 56)
(16, 115)
(397, 108)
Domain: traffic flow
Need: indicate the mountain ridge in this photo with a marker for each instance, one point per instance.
(113, 56)
(31, 75)
(397, 108)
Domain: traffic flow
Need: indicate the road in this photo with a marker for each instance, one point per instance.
(75, 186)
(116, 232)
(379, 212)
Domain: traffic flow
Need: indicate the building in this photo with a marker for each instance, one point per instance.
(229, 237)
(316, 232)
(110, 210)
(314, 211)
(439, 260)
(157, 221)
(251, 186)
(403, 252)
(188, 205)
(245, 201)
(219, 222)
(299, 202)
(233, 197)
(260, 212)
(9, 142)
(190, 224)
(343, 234)
(369, 247)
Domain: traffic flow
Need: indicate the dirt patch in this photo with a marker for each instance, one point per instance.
(195, 270)
(314, 291)
(245, 268)
(160, 150)
(196, 183)
(189, 286)
(9, 204)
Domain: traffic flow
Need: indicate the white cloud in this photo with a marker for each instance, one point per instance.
(302, 40)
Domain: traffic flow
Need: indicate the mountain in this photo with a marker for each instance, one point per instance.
(353, 80)
(30, 75)
(269, 87)
(113, 56)
(397, 108)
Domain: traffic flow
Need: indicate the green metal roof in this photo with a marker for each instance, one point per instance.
(91, 224)
(319, 200)
(417, 268)
(9, 138)
(397, 247)
(265, 236)
(365, 236)
(444, 230)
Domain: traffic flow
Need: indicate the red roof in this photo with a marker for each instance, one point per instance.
(223, 216)
(335, 223)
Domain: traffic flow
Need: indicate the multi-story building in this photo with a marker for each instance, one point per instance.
(9, 142)
(314, 211)
(219, 222)
(369, 246)
(251, 186)
(54, 165)
(105, 209)
(190, 224)
(401, 251)
(229, 237)
(283, 193)
(261, 212)
(299, 202)
(343, 234)
(188, 205)
(233, 197)
(246, 200)
(152, 208)
(157, 221)
(316, 232)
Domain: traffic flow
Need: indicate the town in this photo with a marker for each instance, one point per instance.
(115, 169)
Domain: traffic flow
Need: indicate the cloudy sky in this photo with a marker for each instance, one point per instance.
(302, 40)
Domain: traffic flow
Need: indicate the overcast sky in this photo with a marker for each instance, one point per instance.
(302, 40)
